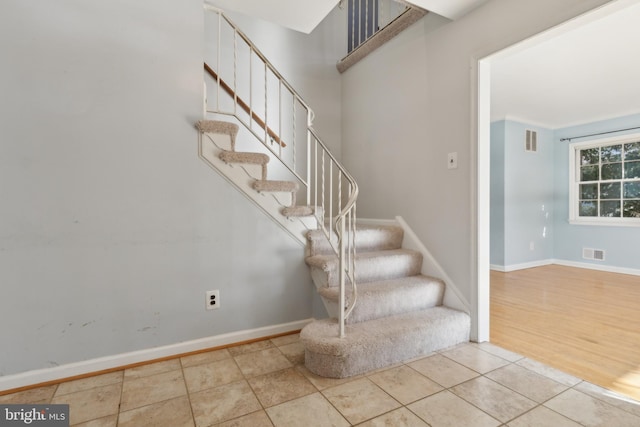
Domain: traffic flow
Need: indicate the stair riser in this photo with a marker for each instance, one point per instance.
(376, 239)
(371, 269)
(373, 305)
(347, 359)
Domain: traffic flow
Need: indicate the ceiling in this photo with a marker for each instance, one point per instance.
(305, 15)
(587, 74)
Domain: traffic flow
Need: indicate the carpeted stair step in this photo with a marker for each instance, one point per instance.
(390, 297)
(371, 266)
(274, 186)
(368, 238)
(380, 342)
(260, 159)
(217, 126)
(298, 211)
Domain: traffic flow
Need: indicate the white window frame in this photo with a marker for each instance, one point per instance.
(574, 182)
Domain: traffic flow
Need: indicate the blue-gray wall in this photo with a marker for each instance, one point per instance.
(530, 201)
(621, 244)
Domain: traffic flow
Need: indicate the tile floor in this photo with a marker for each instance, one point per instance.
(266, 384)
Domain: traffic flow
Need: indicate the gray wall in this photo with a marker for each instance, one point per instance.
(413, 101)
(111, 227)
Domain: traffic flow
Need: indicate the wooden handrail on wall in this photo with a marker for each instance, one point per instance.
(244, 105)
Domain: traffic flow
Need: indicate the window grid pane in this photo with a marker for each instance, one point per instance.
(609, 181)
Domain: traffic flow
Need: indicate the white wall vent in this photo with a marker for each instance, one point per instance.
(531, 141)
(594, 254)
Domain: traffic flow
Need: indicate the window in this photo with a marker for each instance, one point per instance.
(605, 182)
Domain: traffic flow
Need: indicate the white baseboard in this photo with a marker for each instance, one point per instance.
(586, 265)
(38, 376)
(522, 266)
(607, 268)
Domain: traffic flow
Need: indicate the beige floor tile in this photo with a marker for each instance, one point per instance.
(500, 352)
(360, 400)
(33, 396)
(404, 384)
(223, 403)
(308, 411)
(170, 413)
(262, 362)
(97, 402)
(287, 339)
(144, 391)
(256, 419)
(89, 383)
(250, 348)
(322, 383)
(542, 417)
(201, 377)
(474, 358)
(493, 398)
(152, 369)
(534, 386)
(445, 409)
(547, 371)
(442, 370)
(281, 386)
(294, 352)
(591, 412)
(400, 417)
(109, 421)
(610, 397)
(202, 358)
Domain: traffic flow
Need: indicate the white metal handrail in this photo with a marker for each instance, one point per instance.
(248, 87)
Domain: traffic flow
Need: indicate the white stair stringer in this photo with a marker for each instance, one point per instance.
(399, 313)
(245, 175)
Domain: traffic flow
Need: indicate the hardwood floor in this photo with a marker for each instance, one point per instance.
(583, 322)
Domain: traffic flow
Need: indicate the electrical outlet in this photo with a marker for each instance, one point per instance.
(212, 300)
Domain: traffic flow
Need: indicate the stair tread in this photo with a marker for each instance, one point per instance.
(217, 126)
(274, 185)
(384, 286)
(298, 211)
(368, 237)
(326, 261)
(321, 336)
(244, 157)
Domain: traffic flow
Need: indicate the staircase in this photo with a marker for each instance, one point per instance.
(398, 315)
(382, 309)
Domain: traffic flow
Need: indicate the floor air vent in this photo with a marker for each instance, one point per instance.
(594, 254)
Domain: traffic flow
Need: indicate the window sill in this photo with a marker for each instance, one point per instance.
(607, 222)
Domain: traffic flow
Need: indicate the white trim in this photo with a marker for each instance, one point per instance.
(119, 360)
(522, 266)
(599, 267)
(588, 266)
(574, 182)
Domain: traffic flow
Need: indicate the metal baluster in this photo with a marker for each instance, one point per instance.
(235, 71)
(218, 60)
(353, 24)
(250, 87)
(366, 19)
(280, 121)
(266, 102)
